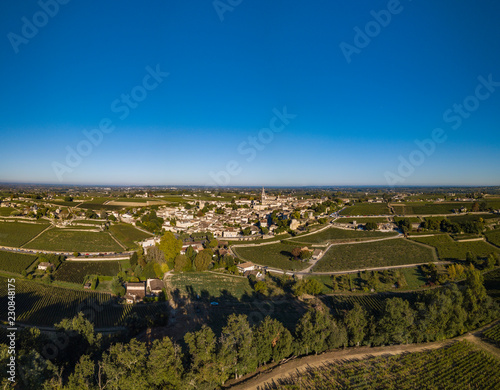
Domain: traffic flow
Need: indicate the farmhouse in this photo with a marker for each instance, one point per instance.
(244, 267)
(45, 266)
(154, 286)
(150, 242)
(317, 254)
(135, 292)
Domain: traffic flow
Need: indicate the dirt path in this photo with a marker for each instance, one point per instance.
(476, 340)
(39, 234)
(434, 250)
(253, 381)
(295, 366)
(118, 242)
(142, 230)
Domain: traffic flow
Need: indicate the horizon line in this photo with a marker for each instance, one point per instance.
(257, 185)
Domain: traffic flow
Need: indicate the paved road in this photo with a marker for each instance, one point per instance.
(280, 271)
(96, 255)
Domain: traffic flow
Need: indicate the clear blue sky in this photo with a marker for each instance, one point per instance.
(229, 72)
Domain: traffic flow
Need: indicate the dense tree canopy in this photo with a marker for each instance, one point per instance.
(170, 246)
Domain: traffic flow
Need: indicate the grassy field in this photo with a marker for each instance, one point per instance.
(76, 228)
(207, 284)
(17, 233)
(362, 220)
(182, 199)
(98, 200)
(424, 197)
(15, 262)
(493, 236)
(412, 275)
(127, 234)
(134, 200)
(141, 201)
(63, 203)
(286, 310)
(75, 271)
(459, 366)
(373, 254)
(423, 208)
(493, 203)
(364, 209)
(99, 205)
(6, 211)
(42, 305)
(335, 235)
(71, 241)
(472, 217)
(89, 222)
(272, 255)
(448, 249)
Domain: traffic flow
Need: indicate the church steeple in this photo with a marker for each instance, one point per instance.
(263, 197)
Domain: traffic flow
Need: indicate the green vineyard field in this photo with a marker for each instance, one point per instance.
(448, 249)
(373, 254)
(459, 366)
(493, 334)
(75, 271)
(15, 262)
(16, 234)
(70, 240)
(127, 234)
(41, 305)
(372, 303)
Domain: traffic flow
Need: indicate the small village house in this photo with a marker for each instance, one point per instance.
(136, 291)
(154, 286)
(44, 266)
(244, 267)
